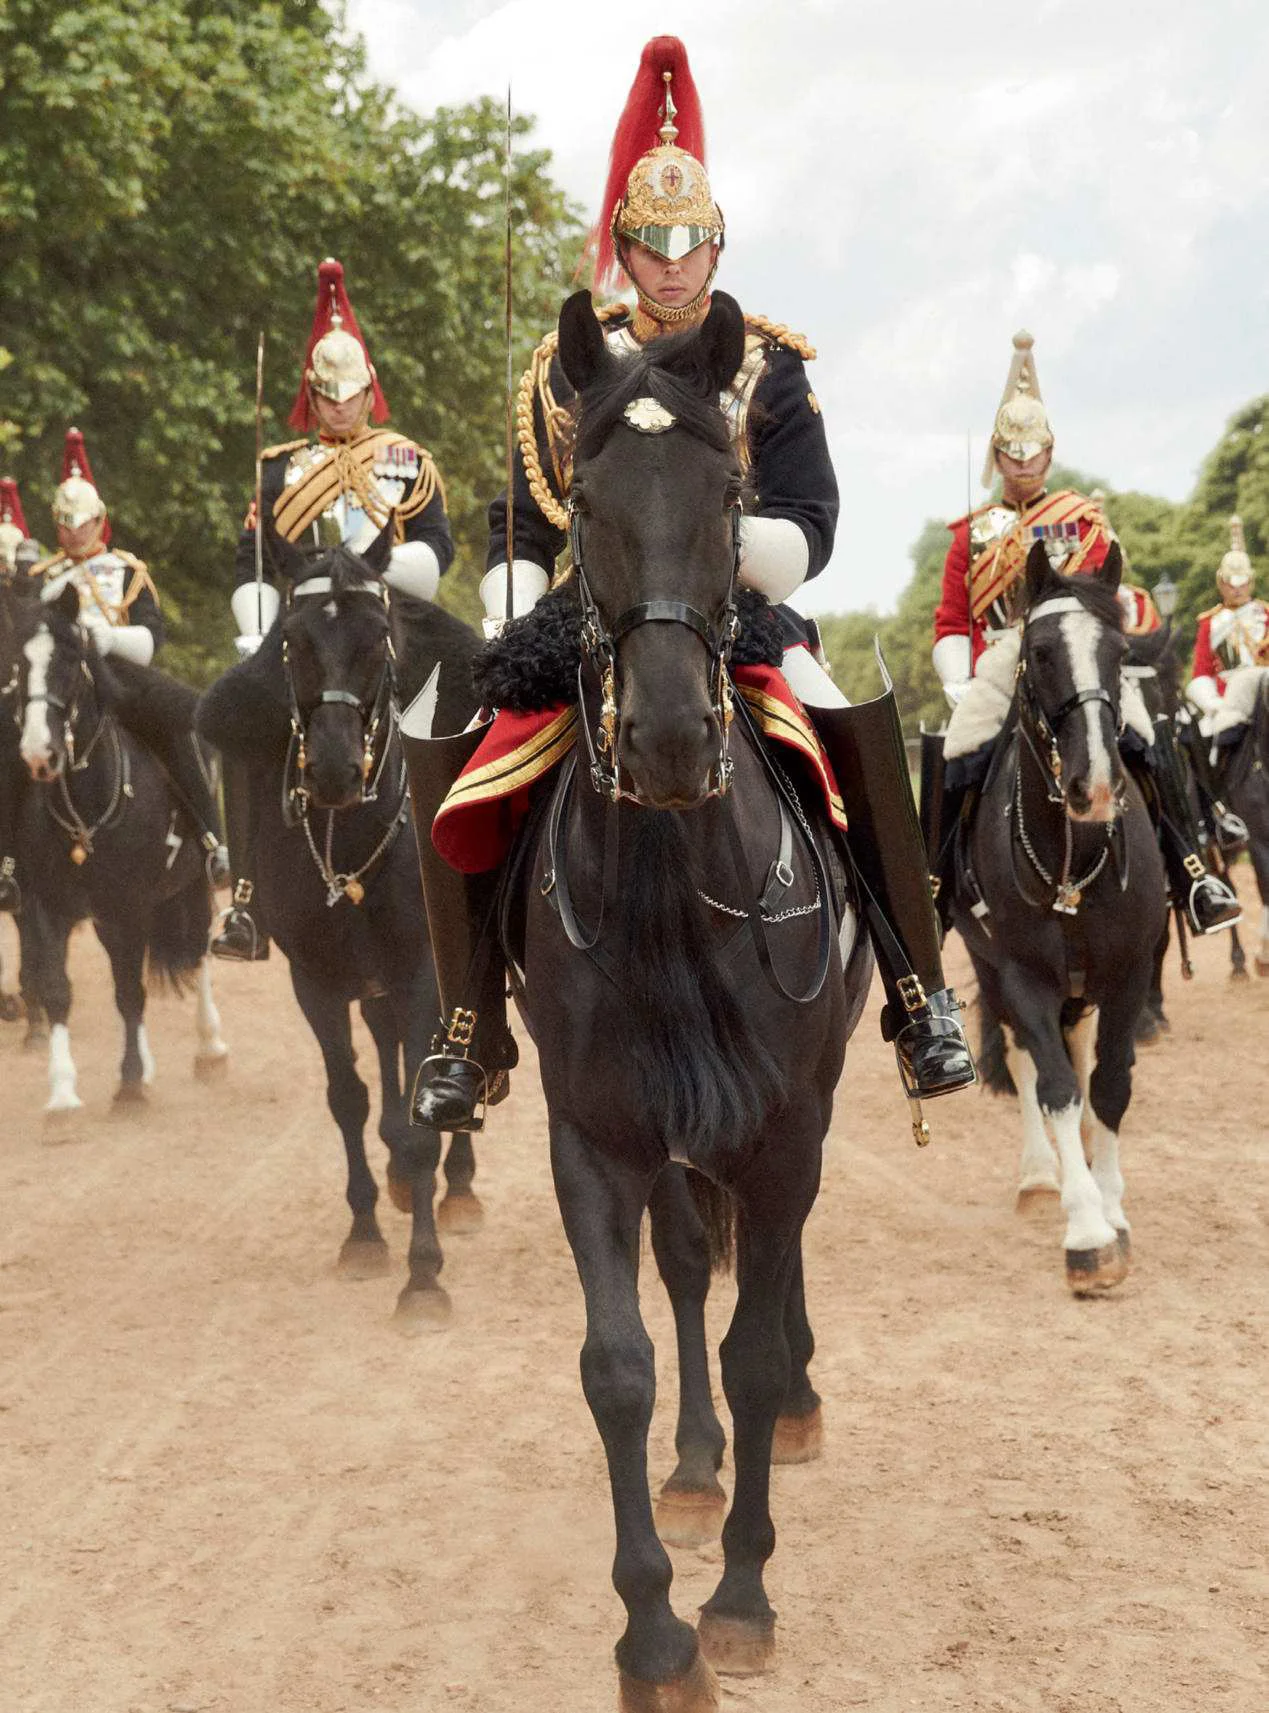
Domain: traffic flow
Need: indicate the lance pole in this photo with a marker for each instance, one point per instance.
(260, 484)
(510, 396)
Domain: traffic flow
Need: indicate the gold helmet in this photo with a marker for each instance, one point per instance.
(13, 531)
(1234, 574)
(76, 500)
(337, 364)
(1022, 428)
(659, 196)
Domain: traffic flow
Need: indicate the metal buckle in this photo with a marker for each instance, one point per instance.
(1194, 866)
(243, 892)
(462, 1028)
(911, 993)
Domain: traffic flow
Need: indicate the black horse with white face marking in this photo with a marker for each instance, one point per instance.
(337, 881)
(680, 1019)
(101, 834)
(1062, 905)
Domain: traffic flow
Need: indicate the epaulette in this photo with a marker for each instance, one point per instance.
(1212, 612)
(956, 522)
(129, 559)
(779, 334)
(43, 565)
(287, 446)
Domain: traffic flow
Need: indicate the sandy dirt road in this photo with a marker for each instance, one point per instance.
(230, 1484)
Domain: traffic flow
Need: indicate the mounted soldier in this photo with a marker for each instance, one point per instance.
(337, 484)
(14, 538)
(976, 646)
(119, 610)
(661, 230)
(13, 530)
(1231, 647)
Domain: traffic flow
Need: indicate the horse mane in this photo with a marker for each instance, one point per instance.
(706, 1075)
(663, 370)
(1094, 595)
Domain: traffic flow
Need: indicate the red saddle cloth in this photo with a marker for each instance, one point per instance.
(478, 820)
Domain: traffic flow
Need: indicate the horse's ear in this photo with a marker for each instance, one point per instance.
(377, 555)
(1111, 568)
(290, 560)
(582, 350)
(722, 339)
(1149, 647)
(1039, 572)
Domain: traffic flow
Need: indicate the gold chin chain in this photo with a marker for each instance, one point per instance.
(655, 318)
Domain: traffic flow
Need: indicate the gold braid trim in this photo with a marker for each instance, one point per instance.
(535, 385)
(798, 343)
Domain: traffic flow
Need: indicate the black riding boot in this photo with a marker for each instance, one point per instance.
(10, 787)
(865, 745)
(1209, 903)
(239, 936)
(941, 807)
(1228, 829)
(473, 1050)
(144, 710)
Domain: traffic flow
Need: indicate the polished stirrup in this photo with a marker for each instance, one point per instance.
(1212, 905)
(237, 938)
(930, 1047)
(10, 891)
(452, 1090)
(1232, 835)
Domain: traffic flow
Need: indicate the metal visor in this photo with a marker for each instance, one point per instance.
(671, 243)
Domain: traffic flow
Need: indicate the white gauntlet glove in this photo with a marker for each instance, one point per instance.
(1204, 693)
(774, 556)
(254, 612)
(125, 642)
(953, 661)
(529, 582)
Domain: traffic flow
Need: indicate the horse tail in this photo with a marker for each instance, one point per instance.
(706, 1075)
(716, 1209)
(177, 941)
(993, 1067)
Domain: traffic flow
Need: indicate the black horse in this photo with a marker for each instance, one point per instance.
(16, 594)
(337, 880)
(1061, 900)
(679, 1020)
(1245, 786)
(101, 835)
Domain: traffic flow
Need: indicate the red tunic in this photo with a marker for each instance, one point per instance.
(1241, 639)
(975, 598)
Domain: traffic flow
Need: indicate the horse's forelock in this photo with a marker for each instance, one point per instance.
(687, 393)
(1096, 597)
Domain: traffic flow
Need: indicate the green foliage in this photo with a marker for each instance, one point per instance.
(169, 179)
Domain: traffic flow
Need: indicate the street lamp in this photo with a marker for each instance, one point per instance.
(1165, 594)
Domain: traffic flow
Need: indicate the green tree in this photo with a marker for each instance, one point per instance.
(169, 178)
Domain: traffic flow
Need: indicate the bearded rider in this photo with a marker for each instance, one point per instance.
(339, 486)
(663, 230)
(119, 610)
(976, 647)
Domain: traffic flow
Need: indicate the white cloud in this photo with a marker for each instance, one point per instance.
(909, 184)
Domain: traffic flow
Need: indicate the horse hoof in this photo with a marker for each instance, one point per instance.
(697, 1691)
(1037, 1198)
(130, 1094)
(35, 1040)
(1146, 1030)
(1123, 1243)
(1239, 973)
(689, 1516)
(1090, 1272)
(460, 1215)
(423, 1311)
(738, 1647)
(798, 1439)
(401, 1194)
(1262, 965)
(12, 1009)
(364, 1258)
(209, 1065)
(63, 1123)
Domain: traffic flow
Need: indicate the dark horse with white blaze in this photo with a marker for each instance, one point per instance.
(101, 834)
(678, 1024)
(1062, 903)
(315, 714)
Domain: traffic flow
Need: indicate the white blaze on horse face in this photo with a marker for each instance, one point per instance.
(1081, 633)
(37, 740)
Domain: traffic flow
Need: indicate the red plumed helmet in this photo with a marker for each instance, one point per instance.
(657, 189)
(77, 499)
(336, 364)
(11, 505)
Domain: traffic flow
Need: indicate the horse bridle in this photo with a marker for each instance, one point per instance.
(1047, 726)
(599, 649)
(374, 711)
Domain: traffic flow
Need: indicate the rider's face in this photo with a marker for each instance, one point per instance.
(341, 418)
(1023, 477)
(80, 538)
(671, 284)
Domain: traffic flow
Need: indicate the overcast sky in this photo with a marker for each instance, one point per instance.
(908, 184)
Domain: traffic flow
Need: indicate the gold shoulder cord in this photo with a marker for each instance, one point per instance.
(535, 384)
(798, 343)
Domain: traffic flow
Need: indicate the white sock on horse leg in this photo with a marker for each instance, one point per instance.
(1086, 1225)
(63, 1096)
(147, 1057)
(211, 1044)
(1038, 1167)
(1106, 1173)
